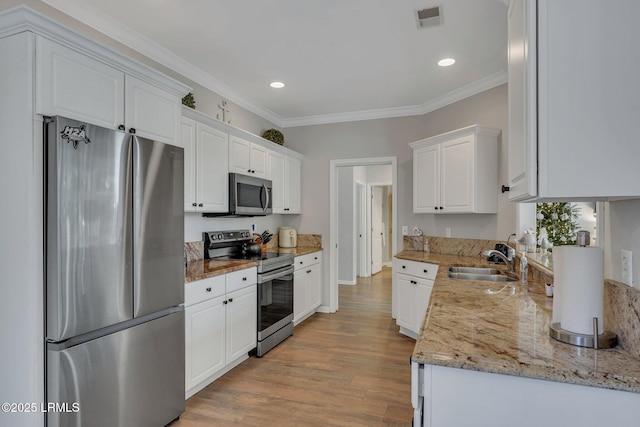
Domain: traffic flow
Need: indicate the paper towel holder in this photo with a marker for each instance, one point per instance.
(607, 339)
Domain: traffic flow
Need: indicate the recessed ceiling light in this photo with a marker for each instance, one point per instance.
(446, 62)
(277, 85)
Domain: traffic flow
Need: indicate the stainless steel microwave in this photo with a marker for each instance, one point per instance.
(248, 196)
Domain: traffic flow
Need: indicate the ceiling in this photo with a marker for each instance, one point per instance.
(341, 60)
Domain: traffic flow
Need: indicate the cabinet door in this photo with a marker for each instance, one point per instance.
(241, 322)
(188, 142)
(405, 305)
(300, 286)
(212, 182)
(457, 175)
(258, 161)
(275, 169)
(293, 176)
(239, 155)
(523, 178)
(426, 180)
(204, 340)
(153, 113)
(314, 297)
(421, 294)
(73, 85)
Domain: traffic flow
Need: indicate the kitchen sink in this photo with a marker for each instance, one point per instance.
(481, 276)
(474, 270)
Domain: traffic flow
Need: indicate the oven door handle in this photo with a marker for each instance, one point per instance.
(266, 277)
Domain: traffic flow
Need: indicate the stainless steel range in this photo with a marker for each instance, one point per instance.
(275, 283)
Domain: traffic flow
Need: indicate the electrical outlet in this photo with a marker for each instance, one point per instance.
(405, 230)
(626, 264)
(447, 232)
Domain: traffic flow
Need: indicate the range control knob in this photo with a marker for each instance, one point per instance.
(220, 236)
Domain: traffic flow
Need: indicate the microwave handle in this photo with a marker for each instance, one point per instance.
(266, 192)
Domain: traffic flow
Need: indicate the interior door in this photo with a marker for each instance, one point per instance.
(377, 229)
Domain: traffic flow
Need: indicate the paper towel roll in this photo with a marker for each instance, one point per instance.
(556, 316)
(581, 288)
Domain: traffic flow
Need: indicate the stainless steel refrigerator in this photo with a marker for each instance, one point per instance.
(114, 277)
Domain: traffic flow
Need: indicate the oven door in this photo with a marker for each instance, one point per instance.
(275, 301)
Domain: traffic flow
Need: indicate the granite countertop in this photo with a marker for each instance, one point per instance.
(300, 250)
(203, 268)
(506, 332)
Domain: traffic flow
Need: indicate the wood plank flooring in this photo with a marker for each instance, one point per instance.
(349, 368)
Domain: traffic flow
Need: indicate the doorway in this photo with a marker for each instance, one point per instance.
(338, 247)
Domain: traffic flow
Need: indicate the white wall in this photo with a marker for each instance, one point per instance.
(623, 233)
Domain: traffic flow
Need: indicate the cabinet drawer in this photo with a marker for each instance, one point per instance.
(303, 261)
(415, 268)
(202, 290)
(241, 279)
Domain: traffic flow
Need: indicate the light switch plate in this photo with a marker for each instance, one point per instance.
(626, 267)
(405, 230)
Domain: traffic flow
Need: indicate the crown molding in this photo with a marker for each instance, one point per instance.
(103, 23)
(112, 28)
(474, 88)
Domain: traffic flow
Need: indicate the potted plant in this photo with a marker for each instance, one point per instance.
(274, 135)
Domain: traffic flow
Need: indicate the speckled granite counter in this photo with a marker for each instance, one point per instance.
(300, 250)
(506, 332)
(203, 268)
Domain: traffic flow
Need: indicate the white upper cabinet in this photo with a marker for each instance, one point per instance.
(151, 112)
(572, 112)
(456, 172)
(292, 191)
(285, 172)
(275, 172)
(74, 85)
(206, 179)
(247, 158)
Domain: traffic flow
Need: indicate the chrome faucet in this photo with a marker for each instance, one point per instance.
(508, 261)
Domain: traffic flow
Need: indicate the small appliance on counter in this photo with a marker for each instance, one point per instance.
(288, 237)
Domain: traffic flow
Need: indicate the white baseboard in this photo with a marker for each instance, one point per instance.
(349, 282)
(325, 309)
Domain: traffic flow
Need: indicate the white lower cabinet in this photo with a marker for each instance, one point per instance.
(413, 283)
(443, 396)
(307, 286)
(220, 326)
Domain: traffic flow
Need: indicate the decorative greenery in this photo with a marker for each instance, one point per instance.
(560, 221)
(274, 135)
(189, 100)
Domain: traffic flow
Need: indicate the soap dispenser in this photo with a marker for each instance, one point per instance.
(524, 269)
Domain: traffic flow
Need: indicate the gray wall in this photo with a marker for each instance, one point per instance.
(623, 233)
(390, 137)
(346, 225)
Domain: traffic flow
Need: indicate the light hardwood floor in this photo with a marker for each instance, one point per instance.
(349, 368)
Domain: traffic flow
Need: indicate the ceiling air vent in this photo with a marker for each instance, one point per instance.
(429, 17)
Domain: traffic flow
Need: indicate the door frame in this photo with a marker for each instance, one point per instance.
(361, 225)
(333, 214)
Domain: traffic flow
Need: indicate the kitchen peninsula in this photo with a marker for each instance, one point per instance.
(484, 347)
